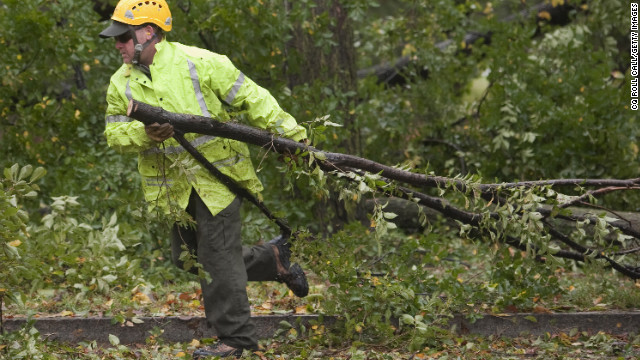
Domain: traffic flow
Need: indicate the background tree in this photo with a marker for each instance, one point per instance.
(535, 97)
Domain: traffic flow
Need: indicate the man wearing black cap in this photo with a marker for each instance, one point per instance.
(185, 79)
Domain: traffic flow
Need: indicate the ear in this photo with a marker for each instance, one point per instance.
(149, 32)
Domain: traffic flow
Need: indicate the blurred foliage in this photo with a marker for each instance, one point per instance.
(537, 101)
(16, 185)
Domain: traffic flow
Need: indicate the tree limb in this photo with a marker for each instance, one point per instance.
(347, 163)
(232, 130)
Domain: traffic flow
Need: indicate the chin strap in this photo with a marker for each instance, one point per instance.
(137, 46)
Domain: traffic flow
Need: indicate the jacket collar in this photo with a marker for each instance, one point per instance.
(131, 69)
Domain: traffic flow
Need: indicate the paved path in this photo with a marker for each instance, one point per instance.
(185, 329)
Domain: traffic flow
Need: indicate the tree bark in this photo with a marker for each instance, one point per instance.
(408, 213)
(189, 123)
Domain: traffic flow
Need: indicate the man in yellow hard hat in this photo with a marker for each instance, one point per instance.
(186, 79)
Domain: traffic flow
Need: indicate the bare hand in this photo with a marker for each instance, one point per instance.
(159, 133)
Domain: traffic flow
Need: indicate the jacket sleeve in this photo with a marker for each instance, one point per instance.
(122, 132)
(262, 109)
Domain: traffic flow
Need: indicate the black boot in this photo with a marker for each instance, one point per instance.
(294, 276)
(212, 351)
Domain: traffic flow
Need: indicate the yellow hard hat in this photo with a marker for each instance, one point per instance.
(138, 12)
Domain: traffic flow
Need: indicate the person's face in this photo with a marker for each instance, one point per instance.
(124, 44)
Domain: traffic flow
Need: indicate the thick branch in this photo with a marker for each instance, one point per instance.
(632, 273)
(232, 184)
(581, 253)
(189, 123)
(345, 163)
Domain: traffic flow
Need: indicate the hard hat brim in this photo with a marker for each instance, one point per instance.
(115, 29)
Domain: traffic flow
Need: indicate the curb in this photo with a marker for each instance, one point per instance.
(173, 328)
(513, 325)
(185, 329)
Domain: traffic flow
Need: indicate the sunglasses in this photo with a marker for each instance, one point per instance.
(123, 38)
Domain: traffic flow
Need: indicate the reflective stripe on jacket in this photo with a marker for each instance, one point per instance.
(192, 81)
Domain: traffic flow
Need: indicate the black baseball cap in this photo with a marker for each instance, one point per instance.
(115, 29)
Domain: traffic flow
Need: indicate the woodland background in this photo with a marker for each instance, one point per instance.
(475, 91)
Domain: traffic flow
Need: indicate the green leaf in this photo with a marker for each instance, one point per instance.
(285, 324)
(25, 172)
(12, 173)
(114, 340)
(390, 215)
(113, 220)
(10, 211)
(320, 155)
(407, 319)
(110, 278)
(38, 173)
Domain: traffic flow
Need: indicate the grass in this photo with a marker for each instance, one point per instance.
(580, 292)
(583, 293)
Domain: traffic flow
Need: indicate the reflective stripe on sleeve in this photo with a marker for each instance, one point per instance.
(118, 118)
(196, 87)
(178, 149)
(127, 92)
(235, 89)
(228, 162)
(159, 182)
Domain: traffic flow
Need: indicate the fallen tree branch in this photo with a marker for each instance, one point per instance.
(232, 185)
(594, 193)
(586, 252)
(581, 253)
(149, 114)
(337, 162)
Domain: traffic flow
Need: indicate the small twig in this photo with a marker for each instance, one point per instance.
(629, 251)
(589, 252)
(627, 230)
(625, 183)
(269, 148)
(28, 64)
(482, 100)
(596, 193)
(380, 258)
(204, 40)
(614, 212)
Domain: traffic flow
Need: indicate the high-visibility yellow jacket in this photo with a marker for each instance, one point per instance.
(192, 81)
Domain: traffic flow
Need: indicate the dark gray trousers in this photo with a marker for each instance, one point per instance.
(217, 245)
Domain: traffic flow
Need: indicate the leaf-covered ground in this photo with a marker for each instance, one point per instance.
(416, 278)
(315, 342)
(291, 345)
